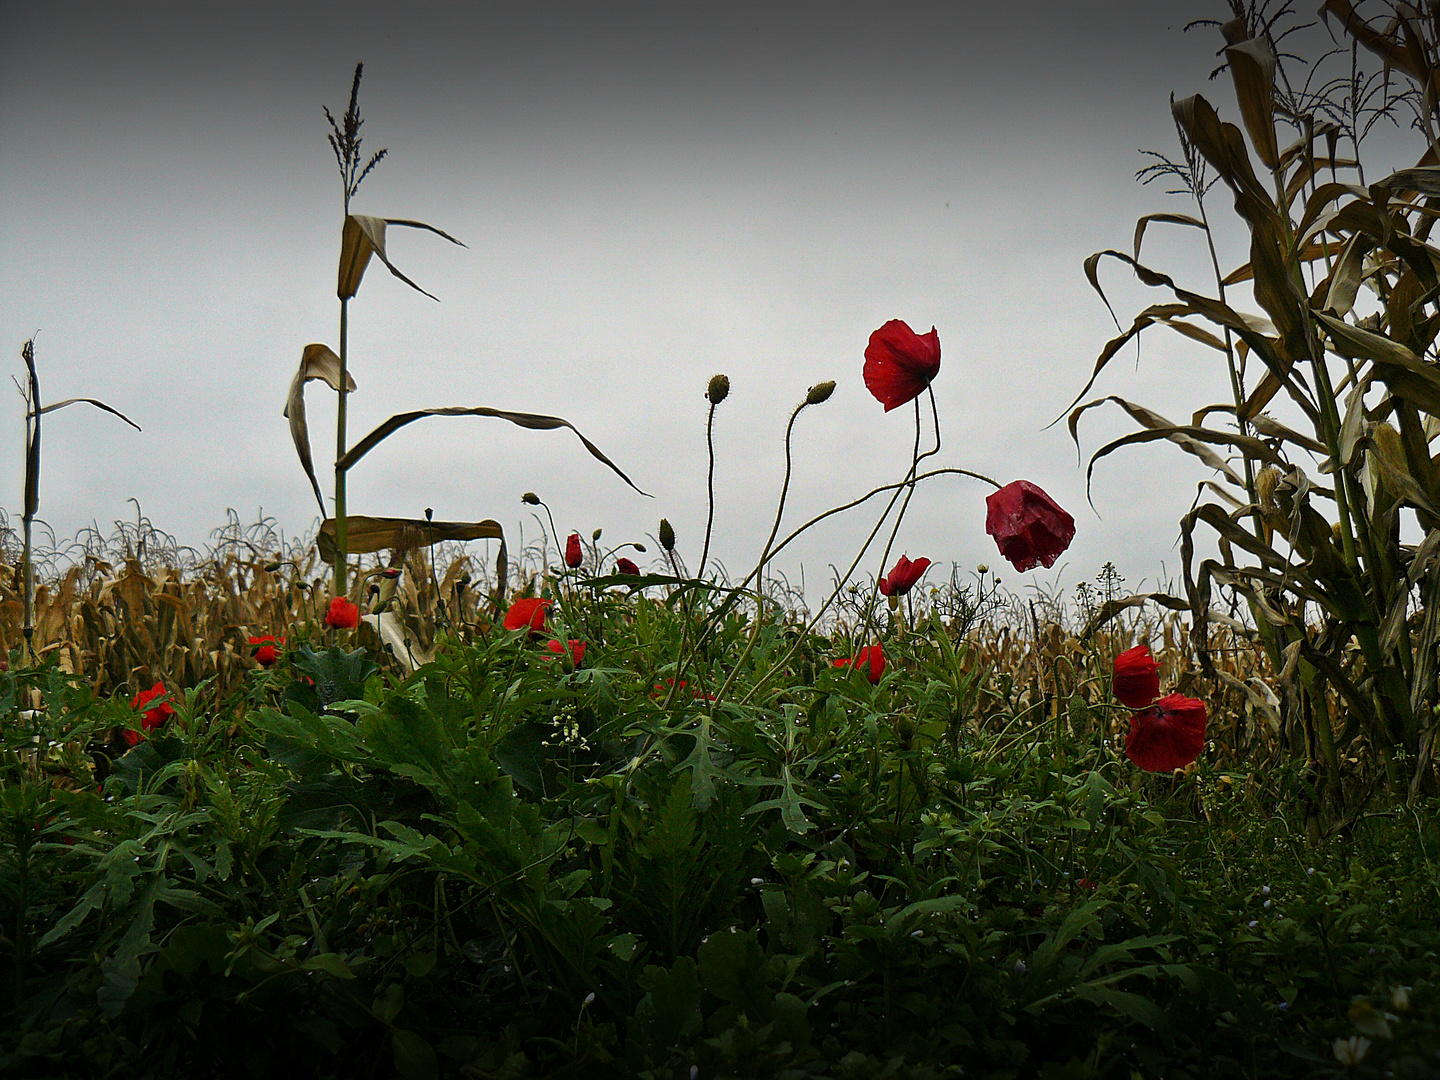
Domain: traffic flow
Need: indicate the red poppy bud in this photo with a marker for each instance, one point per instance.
(1168, 735)
(1136, 681)
(625, 566)
(573, 555)
(900, 363)
(871, 655)
(903, 577)
(1029, 527)
(343, 615)
(267, 653)
(530, 612)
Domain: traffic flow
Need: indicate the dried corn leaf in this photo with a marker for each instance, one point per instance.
(533, 421)
(1111, 608)
(1190, 439)
(1252, 67)
(1348, 273)
(365, 535)
(1166, 219)
(32, 448)
(1408, 56)
(91, 401)
(363, 236)
(316, 362)
(393, 633)
(1313, 251)
(1390, 456)
(1155, 422)
(1425, 180)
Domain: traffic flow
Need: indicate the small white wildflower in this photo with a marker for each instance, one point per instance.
(757, 881)
(1351, 1051)
(1253, 923)
(917, 933)
(694, 1071)
(1264, 890)
(590, 997)
(1310, 872)
(1019, 967)
(1400, 998)
(1266, 904)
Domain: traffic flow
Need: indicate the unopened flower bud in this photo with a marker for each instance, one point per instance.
(595, 536)
(719, 389)
(531, 498)
(639, 547)
(820, 392)
(667, 535)
(982, 569)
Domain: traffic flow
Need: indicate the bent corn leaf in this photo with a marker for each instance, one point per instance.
(366, 535)
(534, 421)
(364, 235)
(1252, 67)
(316, 362)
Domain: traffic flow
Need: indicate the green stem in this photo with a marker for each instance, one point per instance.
(342, 530)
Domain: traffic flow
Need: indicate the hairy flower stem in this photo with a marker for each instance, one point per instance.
(758, 573)
(710, 488)
(909, 490)
(342, 526)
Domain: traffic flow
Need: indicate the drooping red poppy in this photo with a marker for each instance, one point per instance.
(900, 363)
(574, 556)
(527, 611)
(1029, 527)
(1136, 682)
(268, 652)
(871, 655)
(577, 649)
(153, 718)
(1168, 735)
(343, 615)
(626, 566)
(903, 577)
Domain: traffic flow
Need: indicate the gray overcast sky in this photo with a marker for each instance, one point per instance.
(649, 194)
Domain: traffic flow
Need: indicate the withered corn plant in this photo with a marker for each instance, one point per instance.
(1309, 527)
(362, 237)
(33, 411)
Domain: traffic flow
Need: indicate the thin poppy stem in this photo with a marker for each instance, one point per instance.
(759, 570)
(342, 528)
(710, 487)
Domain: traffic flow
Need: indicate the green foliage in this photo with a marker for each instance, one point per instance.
(493, 867)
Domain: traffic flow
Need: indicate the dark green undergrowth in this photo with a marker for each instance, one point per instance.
(495, 868)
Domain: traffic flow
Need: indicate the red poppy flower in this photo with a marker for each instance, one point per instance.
(625, 566)
(903, 577)
(153, 718)
(900, 363)
(1168, 735)
(577, 649)
(529, 611)
(343, 615)
(1136, 681)
(267, 653)
(573, 555)
(1028, 526)
(873, 655)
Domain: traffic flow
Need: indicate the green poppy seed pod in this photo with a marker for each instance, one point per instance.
(820, 392)
(595, 536)
(667, 535)
(719, 389)
(982, 569)
(639, 547)
(531, 498)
